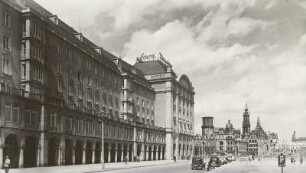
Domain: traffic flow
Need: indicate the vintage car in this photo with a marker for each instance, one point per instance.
(197, 163)
(213, 162)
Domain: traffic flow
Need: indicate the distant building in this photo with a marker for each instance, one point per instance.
(259, 143)
(230, 140)
(219, 139)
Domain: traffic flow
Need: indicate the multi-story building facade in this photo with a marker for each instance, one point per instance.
(65, 100)
(137, 105)
(174, 104)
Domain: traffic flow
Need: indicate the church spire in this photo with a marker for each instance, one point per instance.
(258, 121)
(293, 136)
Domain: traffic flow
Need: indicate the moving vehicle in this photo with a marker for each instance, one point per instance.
(197, 163)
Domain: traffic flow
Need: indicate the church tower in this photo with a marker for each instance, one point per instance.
(246, 122)
(293, 137)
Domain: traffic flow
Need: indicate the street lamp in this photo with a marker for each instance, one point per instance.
(102, 138)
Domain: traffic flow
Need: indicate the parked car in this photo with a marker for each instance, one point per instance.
(213, 162)
(197, 163)
(223, 160)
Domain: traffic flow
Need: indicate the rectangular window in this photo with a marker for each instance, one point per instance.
(6, 43)
(88, 65)
(7, 20)
(89, 94)
(79, 76)
(6, 66)
(59, 66)
(77, 125)
(81, 125)
(27, 115)
(8, 112)
(70, 123)
(34, 116)
(15, 112)
(24, 28)
(37, 31)
(53, 119)
(59, 49)
(59, 85)
(23, 49)
(70, 89)
(89, 81)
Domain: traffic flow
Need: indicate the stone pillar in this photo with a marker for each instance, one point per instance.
(59, 156)
(73, 155)
(134, 144)
(43, 158)
(102, 146)
(142, 152)
(147, 153)
(181, 152)
(62, 148)
(93, 156)
(38, 156)
(21, 160)
(128, 153)
(156, 153)
(109, 152)
(84, 155)
(116, 150)
(177, 148)
(1, 156)
(122, 152)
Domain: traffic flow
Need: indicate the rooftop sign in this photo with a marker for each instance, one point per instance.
(152, 57)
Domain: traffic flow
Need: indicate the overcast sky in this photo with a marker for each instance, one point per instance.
(233, 51)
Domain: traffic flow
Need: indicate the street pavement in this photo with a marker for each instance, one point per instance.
(263, 166)
(94, 168)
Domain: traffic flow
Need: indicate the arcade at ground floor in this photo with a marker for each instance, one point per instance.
(30, 149)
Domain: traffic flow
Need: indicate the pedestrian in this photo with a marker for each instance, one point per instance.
(7, 163)
(174, 158)
(301, 160)
(125, 159)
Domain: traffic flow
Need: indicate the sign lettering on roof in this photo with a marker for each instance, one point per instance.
(158, 76)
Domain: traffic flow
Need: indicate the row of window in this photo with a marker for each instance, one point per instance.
(90, 126)
(88, 81)
(253, 145)
(12, 114)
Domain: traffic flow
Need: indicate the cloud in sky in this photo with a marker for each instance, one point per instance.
(233, 51)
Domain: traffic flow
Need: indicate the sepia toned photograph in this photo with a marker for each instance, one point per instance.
(152, 86)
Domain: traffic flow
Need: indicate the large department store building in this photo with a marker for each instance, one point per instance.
(65, 100)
